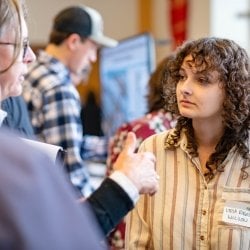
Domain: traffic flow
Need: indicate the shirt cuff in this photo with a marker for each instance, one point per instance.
(126, 184)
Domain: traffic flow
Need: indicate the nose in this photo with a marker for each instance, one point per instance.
(30, 56)
(185, 86)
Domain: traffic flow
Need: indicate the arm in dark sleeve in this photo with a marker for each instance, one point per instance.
(110, 204)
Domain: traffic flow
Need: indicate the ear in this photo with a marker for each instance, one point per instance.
(73, 41)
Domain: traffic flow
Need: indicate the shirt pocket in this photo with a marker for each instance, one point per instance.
(236, 194)
(228, 234)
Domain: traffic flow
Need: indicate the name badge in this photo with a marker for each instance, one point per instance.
(237, 213)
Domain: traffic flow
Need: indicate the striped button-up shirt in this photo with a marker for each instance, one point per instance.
(54, 107)
(188, 212)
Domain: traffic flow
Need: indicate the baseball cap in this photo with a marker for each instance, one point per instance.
(85, 21)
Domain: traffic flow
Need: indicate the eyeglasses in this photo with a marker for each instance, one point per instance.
(25, 46)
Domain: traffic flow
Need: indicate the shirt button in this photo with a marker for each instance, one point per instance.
(202, 237)
(204, 212)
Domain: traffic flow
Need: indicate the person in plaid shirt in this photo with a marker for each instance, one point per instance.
(49, 91)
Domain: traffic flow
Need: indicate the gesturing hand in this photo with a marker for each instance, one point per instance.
(138, 167)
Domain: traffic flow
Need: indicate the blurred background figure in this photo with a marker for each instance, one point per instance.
(157, 119)
(91, 116)
(53, 102)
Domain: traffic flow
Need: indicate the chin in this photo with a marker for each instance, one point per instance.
(186, 114)
(17, 91)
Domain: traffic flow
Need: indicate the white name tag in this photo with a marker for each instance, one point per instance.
(237, 213)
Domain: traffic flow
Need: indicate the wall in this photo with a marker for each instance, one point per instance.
(234, 23)
(120, 21)
(120, 16)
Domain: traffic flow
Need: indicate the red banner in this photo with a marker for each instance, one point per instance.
(178, 21)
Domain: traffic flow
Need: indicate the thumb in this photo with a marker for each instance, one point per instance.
(130, 143)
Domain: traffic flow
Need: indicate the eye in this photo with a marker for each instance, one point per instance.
(182, 76)
(203, 80)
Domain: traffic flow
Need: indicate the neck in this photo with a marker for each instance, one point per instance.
(208, 134)
(58, 52)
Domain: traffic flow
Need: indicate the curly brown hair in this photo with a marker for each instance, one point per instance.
(232, 63)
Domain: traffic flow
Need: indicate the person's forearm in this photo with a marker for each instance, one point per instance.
(110, 204)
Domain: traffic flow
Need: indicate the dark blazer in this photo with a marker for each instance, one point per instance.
(110, 203)
(38, 205)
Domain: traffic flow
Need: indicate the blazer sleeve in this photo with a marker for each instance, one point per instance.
(110, 204)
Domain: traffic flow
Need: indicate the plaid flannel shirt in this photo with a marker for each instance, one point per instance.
(54, 107)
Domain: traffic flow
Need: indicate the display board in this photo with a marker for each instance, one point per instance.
(124, 74)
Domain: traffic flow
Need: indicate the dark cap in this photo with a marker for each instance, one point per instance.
(85, 21)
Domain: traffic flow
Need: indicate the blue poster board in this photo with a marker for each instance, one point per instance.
(124, 74)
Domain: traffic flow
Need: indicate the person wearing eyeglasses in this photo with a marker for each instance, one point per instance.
(14, 47)
(38, 207)
(14, 114)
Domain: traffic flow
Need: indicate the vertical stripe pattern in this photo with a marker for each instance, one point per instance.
(186, 213)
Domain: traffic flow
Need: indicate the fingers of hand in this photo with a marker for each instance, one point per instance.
(156, 187)
(130, 143)
(150, 185)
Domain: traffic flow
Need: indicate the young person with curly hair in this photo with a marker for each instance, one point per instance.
(204, 163)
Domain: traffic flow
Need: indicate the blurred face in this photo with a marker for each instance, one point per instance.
(84, 54)
(199, 95)
(12, 79)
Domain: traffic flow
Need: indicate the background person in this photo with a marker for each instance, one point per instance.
(155, 121)
(53, 101)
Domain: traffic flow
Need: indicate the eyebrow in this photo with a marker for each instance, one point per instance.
(190, 63)
(208, 74)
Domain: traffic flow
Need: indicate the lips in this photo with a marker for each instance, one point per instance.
(185, 102)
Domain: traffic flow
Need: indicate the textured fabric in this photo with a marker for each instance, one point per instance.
(54, 108)
(186, 212)
(38, 206)
(126, 184)
(17, 116)
(155, 122)
(110, 203)
(143, 127)
(178, 21)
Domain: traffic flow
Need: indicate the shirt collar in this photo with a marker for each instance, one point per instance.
(3, 115)
(55, 65)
